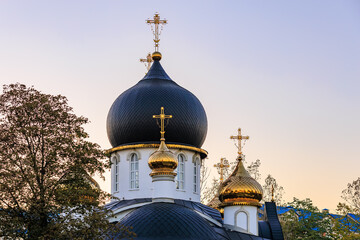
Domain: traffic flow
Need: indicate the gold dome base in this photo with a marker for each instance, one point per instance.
(162, 161)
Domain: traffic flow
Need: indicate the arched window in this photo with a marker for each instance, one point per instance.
(196, 168)
(116, 176)
(134, 171)
(242, 220)
(180, 177)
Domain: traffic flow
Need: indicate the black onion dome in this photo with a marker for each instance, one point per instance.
(168, 221)
(130, 118)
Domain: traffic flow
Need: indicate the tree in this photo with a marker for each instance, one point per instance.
(271, 186)
(305, 221)
(344, 226)
(204, 175)
(351, 195)
(253, 169)
(45, 165)
(210, 192)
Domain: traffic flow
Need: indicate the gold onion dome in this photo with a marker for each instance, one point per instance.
(162, 161)
(216, 203)
(240, 188)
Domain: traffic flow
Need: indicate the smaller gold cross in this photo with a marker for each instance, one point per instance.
(239, 137)
(221, 165)
(147, 61)
(162, 117)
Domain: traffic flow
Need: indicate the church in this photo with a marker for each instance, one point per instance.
(157, 129)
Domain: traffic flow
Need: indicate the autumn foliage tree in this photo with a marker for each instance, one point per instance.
(45, 168)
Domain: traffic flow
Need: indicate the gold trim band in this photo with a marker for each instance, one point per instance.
(203, 153)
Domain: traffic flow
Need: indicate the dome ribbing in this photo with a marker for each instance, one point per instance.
(240, 188)
(130, 119)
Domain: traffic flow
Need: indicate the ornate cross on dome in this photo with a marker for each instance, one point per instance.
(239, 137)
(156, 31)
(162, 117)
(220, 166)
(148, 60)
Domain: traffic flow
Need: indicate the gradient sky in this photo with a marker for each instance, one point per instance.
(286, 72)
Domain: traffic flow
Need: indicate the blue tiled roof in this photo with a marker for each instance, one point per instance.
(168, 221)
(355, 217)
(156, 72)
(350, 220)
(211, 212)
(208, 211)
(179, 220)
(124, 203)
(272, 217)
(233, 235)
(264, 229)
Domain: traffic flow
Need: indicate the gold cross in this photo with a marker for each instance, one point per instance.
(239, 137)
(156, 32)
(148, 60)
(221, 165)
(162, 117)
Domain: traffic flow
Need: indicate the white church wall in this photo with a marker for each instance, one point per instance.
(188, 193)
(122, 187)
(245, 217)
(163, 187)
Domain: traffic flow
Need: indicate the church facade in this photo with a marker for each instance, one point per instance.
(157, 129)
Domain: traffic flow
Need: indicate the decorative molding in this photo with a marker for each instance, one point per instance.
(196, 158)
(163, 178)
(203, 153)
(235, 228)
(114, 158)
(210, 219)
(180, 152)
(133, 151)
(119, 210)
(242, 210)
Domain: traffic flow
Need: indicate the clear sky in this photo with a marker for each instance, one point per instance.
(286, 72)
